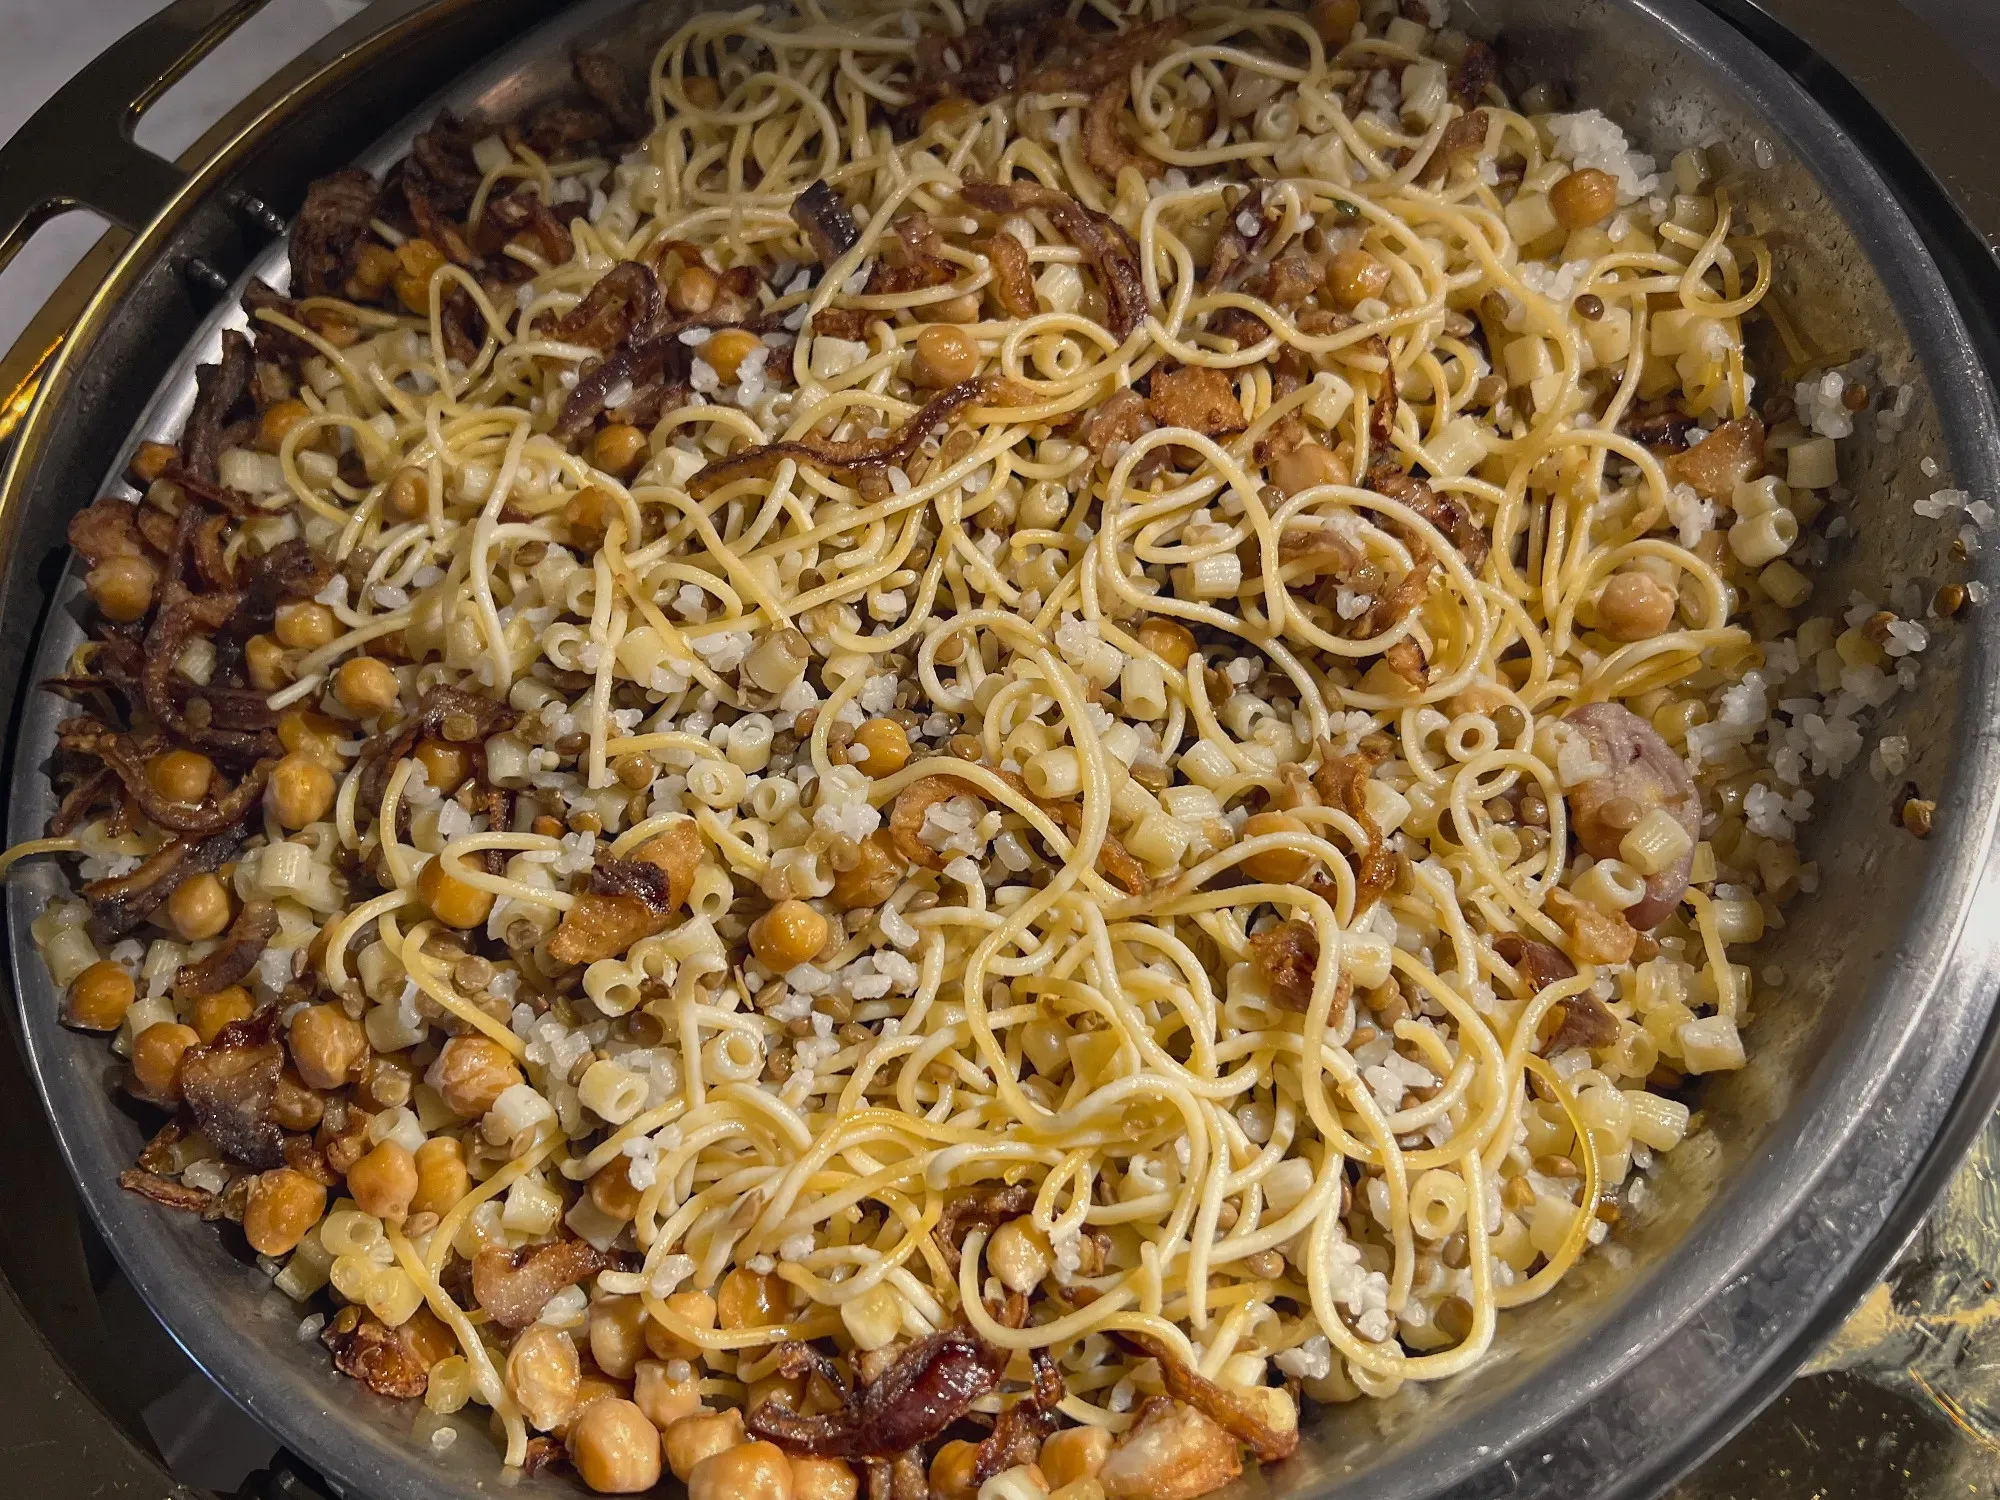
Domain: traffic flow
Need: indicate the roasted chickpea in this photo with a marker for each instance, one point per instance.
(445, 765)
(471, 1072)
(384, 1182)
(442, 1178)
(451, 900)
(788, 934)
(617, 1335)
(420, 259)
(1335, 20)
(702, 92)
(823, 1479)
(122, 588)
(1353, 276)
(221, 1008)
(619, 449)
(1072, 1454)
(964, 308)
(944, 356)
(753, 1471)
(1306, 466)
(1019, 1255)
(304, 625)
(264, 664)
(663, 1398)
(278, 419)
(615, 1449)
(587, 512)
(156, 1060)
(312, 735)
(374, 267)
(282, 1206)
(181, 775)
(878, 870)
(748, 1299)
(692, 1439)
(885, 745)
(99, 997)
(612, 1191)
(366, 686)
(300, 792)
(151, 462)
(947, 111)
(409, 494)
(328, 1045)
(952, 1471)
(199, 907)
(1279, 866)
(726, 350)
(693, 291)
(697, 1309)
(295, 1106)
(1174, 643)
(1635, 607)
(543, 1372)
(1585, 197)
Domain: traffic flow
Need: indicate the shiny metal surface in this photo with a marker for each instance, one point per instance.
(1822, 1155)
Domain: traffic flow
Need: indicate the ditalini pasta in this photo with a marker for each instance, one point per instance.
(967, 752)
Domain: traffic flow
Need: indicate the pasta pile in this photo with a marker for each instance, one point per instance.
(1011, 703)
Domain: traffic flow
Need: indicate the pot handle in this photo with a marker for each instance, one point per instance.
(78, 151)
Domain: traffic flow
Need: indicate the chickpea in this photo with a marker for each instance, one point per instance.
(611, 1189)
(617, 1335)
(295, 1106)
(754, 1471)
(420, 259)
(471, 1072)
(122, 588)
(221, 1008)
(282, 1207)
(156, 1060)
(727, 349)
(619, 449)
(1584, 198)
(384, 1182)
(451, 900)
(408, 496)
(1168, 640)
(304, 625)
(181, 775)
(878, 870)
(702, 92)
(1072, 1454)
(99, 997)
(695, 1308)
(693, 291)
(366, 686)
(692, 1439)
(278, 419)
(887, 747)
(312, 735)
(442, 1178)
(1353, 276)
(151, 462)
(947, 111)
(1335, 20)
(1306, 466)
(1019, 1256)
(660, 1396)
(264, 664)
(748, 1299)
(543, 1372)
(1634, 607)
(374, 267)
(1279, 866)
(199, 907)
(964, 308)
(789, 933)
(944, 356)
(445, 765)
(300, 792)
(952, 1471)
(587, 512)
(328, 1045)
(823, 1479)
(615, 1449)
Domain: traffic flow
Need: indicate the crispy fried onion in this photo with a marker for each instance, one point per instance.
(916, 264)
(1286, 957)
(1581, 1021)
(906, 822)
(231, 1087)
(1196, 396)
(983, 1207)
(1723, 459)
(931, 1385)
(1543, 963)
(1102, 239)
(850, 461)
(626, 298)
(513, 1286)
(218, 388)
(330, 229)
(166, 1191)
(1341, 781)
(629, 899)
(104, 529)
(242, 945)
(1013, 280)
(1239, 256)
(212, 814)
(829, 226)
(121, 903)
(1476, 70)
(1242, 1419)
(444, 711)
(368, 1350)
(1446, 513)
(1104, 144)
(182, 614)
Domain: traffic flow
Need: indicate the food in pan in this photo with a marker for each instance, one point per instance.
(964, 755)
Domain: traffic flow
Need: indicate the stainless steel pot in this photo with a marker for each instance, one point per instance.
(1870, 1059)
